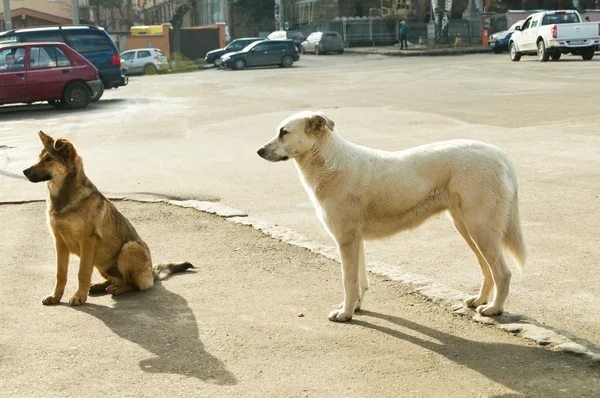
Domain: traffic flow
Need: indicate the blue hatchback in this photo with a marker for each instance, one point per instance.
(90, 41)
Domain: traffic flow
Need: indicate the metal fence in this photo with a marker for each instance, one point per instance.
(368, 31)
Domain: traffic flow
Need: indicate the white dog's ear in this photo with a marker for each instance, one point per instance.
(318, 121)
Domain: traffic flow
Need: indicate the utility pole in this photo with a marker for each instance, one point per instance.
(277, 9)
(75, 9)
(7, 17)
(381, 8)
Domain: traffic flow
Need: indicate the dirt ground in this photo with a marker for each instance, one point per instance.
(250, 320)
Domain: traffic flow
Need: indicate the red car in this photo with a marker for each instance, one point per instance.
(53, 72)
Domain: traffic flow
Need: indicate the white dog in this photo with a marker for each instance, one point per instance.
(362, 193)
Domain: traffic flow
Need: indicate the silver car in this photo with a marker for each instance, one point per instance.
(323, 42)
(148, 61)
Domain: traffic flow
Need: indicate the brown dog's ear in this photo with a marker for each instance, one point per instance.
(46, 139)
(318, 121)
(64, 148)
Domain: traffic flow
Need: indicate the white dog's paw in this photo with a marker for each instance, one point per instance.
(340, 316)
(490, 310)
(475, 301)
(356, 307)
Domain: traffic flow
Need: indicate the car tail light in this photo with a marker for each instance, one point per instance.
(156, 57)
(554, 31)
(116, 60)
(599, 29)
(559, 12)
(296, 50)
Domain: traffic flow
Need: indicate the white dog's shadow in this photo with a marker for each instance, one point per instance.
(524, 369)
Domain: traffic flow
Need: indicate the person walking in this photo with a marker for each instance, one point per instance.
(403, 35)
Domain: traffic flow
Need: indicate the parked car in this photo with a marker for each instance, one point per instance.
(263, 53)
(90, 41)
(549, 34)
(294, 35)
(148, 61)
(323, 42)
(214, 56)
(53, 72)
(499, 40)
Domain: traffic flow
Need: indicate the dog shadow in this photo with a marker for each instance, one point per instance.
(162, 323)
(523, 369)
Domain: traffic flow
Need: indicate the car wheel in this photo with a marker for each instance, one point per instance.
(543, 55)
(588, 54)
(317, 50)
(239, 64)
(56, 103)
(77, 96)
(555, 56)
(217, 62)
(149, 70)
(287, 61)
(96, 97)
(515, 55)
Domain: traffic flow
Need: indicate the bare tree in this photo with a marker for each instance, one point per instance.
(176, 21)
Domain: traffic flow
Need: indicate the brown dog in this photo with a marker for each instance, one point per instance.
(86, 224)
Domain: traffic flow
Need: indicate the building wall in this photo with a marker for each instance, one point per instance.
(58, 8)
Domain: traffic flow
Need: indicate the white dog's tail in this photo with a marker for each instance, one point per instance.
(513, 236)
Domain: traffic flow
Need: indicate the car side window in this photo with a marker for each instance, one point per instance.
(43, 36)
(143, 54)
(12, 59)
(88, 41)
(40, 58)
(127, 56)
(261, 47)
(526, 25)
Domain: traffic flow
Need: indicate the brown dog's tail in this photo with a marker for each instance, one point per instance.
(161, 271)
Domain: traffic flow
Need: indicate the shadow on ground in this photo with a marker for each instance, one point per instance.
(529, 370)
(162, 323)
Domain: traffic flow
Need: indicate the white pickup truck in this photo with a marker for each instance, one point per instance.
(550, 34)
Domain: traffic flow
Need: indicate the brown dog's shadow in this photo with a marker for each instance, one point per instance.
(162, 323)
(524, 369)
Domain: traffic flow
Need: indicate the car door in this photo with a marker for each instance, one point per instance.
(49, 71)
(527, 40)
(142, 58)
(258, 55)
(13, 77)
(128, 58)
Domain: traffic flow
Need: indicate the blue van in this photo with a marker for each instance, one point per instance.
(90, 41)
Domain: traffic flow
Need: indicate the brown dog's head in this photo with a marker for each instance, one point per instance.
(57, 157)
(296, 135)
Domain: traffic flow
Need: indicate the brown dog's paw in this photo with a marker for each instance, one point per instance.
(99, 287)
(77, 300)
(51, 299)
(116, 290)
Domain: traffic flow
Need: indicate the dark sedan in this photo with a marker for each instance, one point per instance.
(214, 56)
(499, 40)
(263, 53)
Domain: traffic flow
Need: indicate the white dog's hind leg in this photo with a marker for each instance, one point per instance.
(349, 253)
(489, 246)
(487, 283)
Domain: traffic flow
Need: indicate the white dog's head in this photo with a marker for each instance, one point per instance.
(296, 135)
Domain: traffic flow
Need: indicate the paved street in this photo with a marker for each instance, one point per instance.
(195, 136)
(249, 321)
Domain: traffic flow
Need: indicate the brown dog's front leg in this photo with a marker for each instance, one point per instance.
(62, 269)
(86, 267)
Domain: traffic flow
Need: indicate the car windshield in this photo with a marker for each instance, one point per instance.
(554, 19)
(295, 35)
(518, 23)
(249, 46)
(235, 45)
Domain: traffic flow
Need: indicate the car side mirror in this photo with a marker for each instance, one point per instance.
(517, 28)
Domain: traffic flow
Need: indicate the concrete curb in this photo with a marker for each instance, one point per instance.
(420, 53)
(451, 299)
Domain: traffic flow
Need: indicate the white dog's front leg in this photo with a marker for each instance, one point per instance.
(349, 253)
